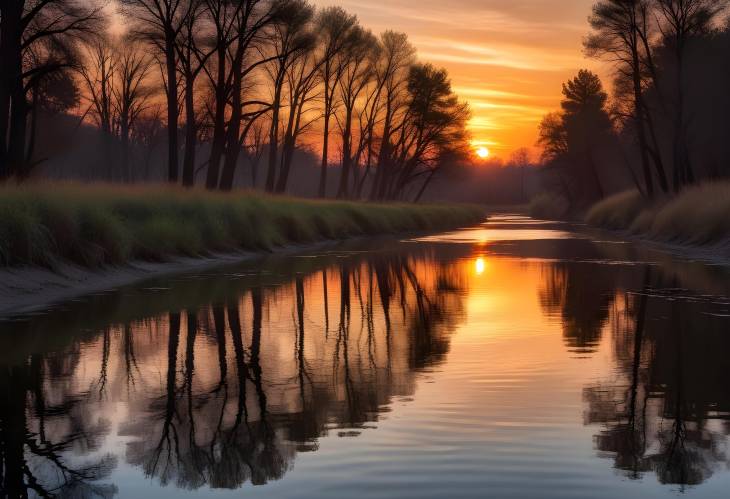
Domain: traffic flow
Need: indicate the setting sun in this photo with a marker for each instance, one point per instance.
(483, 152)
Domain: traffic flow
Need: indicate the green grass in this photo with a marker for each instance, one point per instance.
(698, 216)
(93, 225)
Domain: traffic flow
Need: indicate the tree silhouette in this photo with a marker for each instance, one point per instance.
(160, 23)
(37, 39)
(334, 26)
(621, 33)
(574, 139)
(292, 40)
(680, 22)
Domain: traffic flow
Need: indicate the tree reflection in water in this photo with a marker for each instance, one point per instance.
(581, 300)
(229, 389)
(38, 436)
(220, 381)
(667, 407)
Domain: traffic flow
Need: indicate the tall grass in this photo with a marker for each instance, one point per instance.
(92, 225)
(699, 215)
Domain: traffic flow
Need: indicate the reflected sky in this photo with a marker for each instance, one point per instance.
(518, 367)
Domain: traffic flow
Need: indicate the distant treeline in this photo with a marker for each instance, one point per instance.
(214, 84)
(667, 123)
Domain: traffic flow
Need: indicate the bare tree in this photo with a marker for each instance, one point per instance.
(370, 114)
(160, 23)
(679, 22)
(620, 34)
(97, 73)
(398, 56)
(254, 146)
(251, 21)
(37, 38)
(131, 96)
(302, 79)
(358, 70)
(222, 15)
(334, 26)
(148, 134)
(292, 38)
(191, 60)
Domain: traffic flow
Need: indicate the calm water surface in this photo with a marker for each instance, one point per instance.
(515, 359)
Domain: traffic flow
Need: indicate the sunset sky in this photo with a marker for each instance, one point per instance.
(507, 59)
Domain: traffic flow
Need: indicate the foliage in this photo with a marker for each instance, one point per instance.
(573, 139)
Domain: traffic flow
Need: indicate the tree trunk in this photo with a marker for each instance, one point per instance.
(655, 151)
(18, 124)
(343, 190)
(288, 151)
(10, 62)
(596, 178)
(325, 136)
(274, 137)
(191, 133)
(423, 187)
(639, 116)
(33, 128)
(12, 68)
(219, 124)
(379, 184)
(683, 173)
(322, 193)
(233, 147)
(172, 112)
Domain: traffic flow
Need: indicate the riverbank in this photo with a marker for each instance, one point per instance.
(58, 241)
(695, 223)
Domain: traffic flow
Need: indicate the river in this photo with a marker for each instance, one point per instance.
(515, 359)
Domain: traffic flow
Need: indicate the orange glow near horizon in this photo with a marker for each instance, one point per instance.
(508, 60)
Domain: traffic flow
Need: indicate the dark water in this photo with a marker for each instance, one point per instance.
(516, 359)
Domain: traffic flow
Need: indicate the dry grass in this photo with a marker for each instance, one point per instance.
(42, 224)
(699, 215)
(618, 211)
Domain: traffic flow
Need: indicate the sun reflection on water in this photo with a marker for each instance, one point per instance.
(480, 266)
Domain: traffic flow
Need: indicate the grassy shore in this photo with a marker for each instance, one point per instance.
(93, 225)
(698, 216)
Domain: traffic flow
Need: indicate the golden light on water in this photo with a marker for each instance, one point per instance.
(480, 265)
